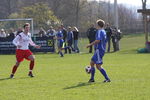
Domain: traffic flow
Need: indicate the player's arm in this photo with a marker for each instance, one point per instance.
(93, 43)
(33, 44)
(58, 37)
(15, 41)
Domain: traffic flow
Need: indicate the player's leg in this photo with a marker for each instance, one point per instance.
(102, 70)
(19, 58)
(92, 63)
(65, 47)
(14, 69)
(31, 66)
(92, 71)
(60, 52)
(60, 45)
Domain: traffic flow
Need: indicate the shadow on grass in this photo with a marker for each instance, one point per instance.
(78, 85)
(130, 51)
(25, 77)
(8, 78)
(3, 79)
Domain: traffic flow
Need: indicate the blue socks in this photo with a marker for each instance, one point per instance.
(92, 73)
(101, 70)
(104, 73)
(61, 54)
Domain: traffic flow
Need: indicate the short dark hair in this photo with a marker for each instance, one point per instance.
(26, 24)
(100, 23)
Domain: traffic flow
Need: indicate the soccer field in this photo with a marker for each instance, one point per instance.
(65, 78)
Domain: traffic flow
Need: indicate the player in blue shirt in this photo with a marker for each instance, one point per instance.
(100, 46)
(59, 37)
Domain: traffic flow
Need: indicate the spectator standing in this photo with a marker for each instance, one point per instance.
(51, 31)
(11, 34)
(119, 36)
(69, 39)
(76, 36)
(42, 32)
(108, 33)
(114, 39)
(2, 33)
(20, 30)
(91, 32)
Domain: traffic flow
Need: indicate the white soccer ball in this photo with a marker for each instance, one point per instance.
(88, 69)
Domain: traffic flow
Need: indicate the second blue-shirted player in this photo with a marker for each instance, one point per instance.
(100, 46)
(60, 41)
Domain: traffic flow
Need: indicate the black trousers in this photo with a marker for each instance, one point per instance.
(70, 46)
(109, 44)
(91, 47)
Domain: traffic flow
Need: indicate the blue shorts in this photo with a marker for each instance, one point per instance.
(97, 57)
(59, 44)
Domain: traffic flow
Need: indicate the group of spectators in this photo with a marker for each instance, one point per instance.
(70, 37)
(10, 34)
(113, 34)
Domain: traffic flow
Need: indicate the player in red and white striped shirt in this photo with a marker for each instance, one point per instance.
(22, 42)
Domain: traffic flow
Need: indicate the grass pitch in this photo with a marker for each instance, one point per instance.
(65, 78)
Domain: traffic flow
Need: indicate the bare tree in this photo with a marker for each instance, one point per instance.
(80, 13)
(77, 11)
(127, 19)
(7, 7)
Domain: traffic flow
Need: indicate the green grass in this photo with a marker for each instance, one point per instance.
(65, 79)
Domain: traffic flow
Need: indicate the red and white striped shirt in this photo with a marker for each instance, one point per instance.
(23, 40)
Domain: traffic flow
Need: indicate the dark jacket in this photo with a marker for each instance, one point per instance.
(75, 35)
(91, 32)
(108, 32)
(64, 31)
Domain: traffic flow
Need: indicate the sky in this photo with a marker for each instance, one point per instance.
(132, 2)
(136, 3)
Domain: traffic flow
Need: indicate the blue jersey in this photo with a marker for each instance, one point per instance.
(101, 46)
(60, 35)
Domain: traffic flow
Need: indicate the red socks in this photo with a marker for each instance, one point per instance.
(14, 69)
(31, 65)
